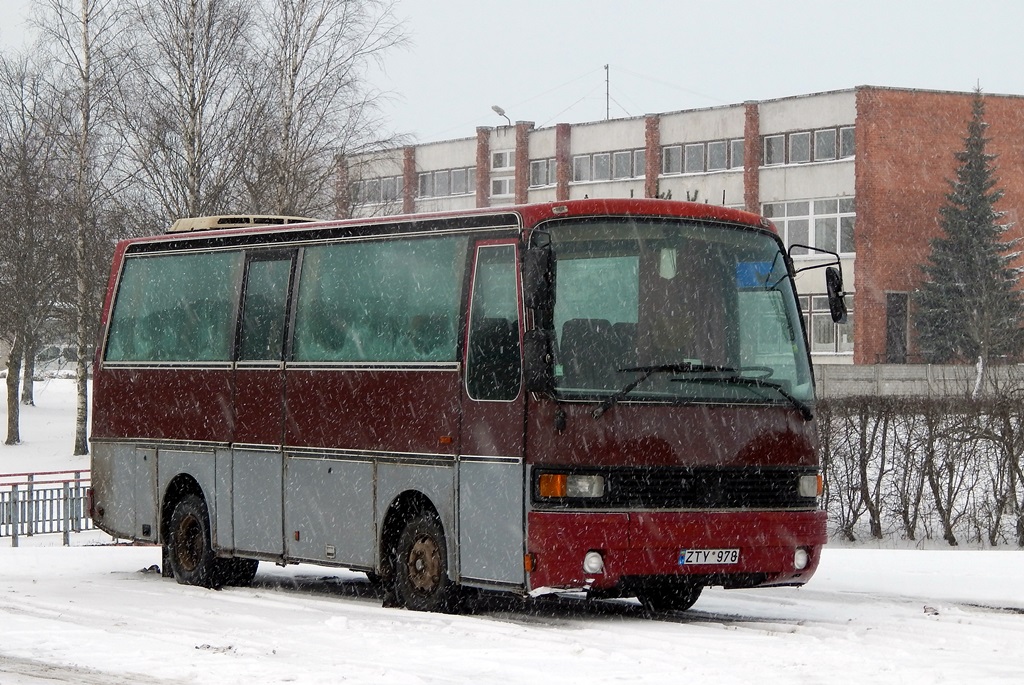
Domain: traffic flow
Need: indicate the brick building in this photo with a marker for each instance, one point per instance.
(861, 172)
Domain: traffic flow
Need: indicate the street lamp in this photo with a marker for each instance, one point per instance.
(501, 113)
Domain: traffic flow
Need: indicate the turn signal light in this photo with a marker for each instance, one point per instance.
(552, 485)
(572, 485)
(529, 562)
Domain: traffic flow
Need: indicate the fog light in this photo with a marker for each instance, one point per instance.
(800, 559)
(593, 562)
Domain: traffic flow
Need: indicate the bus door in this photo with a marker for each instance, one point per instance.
(490, 477)
(257, 465)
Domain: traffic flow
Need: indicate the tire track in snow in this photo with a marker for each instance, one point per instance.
(21, 671)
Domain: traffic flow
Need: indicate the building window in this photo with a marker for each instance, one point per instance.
(602, 167)
(826, 336)
(693, 158)
(672, 160)
(639, 163)
(442, 183)
(504, 186)
(774, 150)
(717, 155)
(805, 146)
(622, 164)
(502, 160)
(736, 153)
(847, 219)
(846, 141)
(827, 224)
(391, 188)
(426, 185)
(371, 190)
(799, 147)
(539, 173)
(824, 145)
(833, 225)
(377, 190)
(581, 168)
(460, 181)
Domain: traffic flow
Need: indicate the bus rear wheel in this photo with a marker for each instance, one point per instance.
(189, 550)
(421, 566)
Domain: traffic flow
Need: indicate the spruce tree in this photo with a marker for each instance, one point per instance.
(968, 309)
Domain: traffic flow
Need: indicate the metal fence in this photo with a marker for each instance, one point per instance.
(43, 503)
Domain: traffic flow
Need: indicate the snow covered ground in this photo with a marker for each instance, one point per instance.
(47, 431)
(91, 614)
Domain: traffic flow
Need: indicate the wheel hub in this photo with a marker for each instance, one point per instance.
(424, 564)
(189, 543)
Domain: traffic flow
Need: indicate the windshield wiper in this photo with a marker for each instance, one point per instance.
(803, 407)
(648, 371)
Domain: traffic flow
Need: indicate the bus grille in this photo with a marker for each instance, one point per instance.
(693, 488)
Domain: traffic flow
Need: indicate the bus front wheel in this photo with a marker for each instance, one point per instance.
(421, 566)
(670, 596)
(191, 554)
(237, 571)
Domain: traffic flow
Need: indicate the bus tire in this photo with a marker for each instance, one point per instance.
(670, 597)
(190, 552)
(421, 579)
(237, 572)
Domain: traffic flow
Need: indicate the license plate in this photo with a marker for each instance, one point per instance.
(693, 557)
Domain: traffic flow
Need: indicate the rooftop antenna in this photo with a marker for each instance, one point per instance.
(501, 113)
(607, 98)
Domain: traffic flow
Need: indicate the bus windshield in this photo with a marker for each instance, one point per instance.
(675, 311)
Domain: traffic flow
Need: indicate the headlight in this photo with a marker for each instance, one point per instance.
(554, 485)
(584, 486)
(809, 486)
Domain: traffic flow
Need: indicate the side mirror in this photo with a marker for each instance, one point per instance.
(539, 361)
(538, 277)
(836, 294)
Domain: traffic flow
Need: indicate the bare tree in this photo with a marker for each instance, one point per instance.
(83, 37)
(34, 262)
(319, 104)
(189, 103)
(950, 461)
(843, 496)
(908, 472)
(871, 430)
(1002, 430)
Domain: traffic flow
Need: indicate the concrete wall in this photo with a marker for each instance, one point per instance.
(834, 380)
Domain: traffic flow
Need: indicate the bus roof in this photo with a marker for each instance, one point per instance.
(528, 215)
(208, 223)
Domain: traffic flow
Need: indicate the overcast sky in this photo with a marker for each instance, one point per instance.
(543, 60)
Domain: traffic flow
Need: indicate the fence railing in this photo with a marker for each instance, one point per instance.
(42, 503)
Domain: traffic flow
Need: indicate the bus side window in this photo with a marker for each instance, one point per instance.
(173, 308)
(263, 313)
(380, 301)
(494, 366)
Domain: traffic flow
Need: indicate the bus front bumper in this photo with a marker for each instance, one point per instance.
(760, 547)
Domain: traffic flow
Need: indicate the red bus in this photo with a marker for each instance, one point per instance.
(612, 396)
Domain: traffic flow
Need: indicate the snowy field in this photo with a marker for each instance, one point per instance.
(93, 614)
